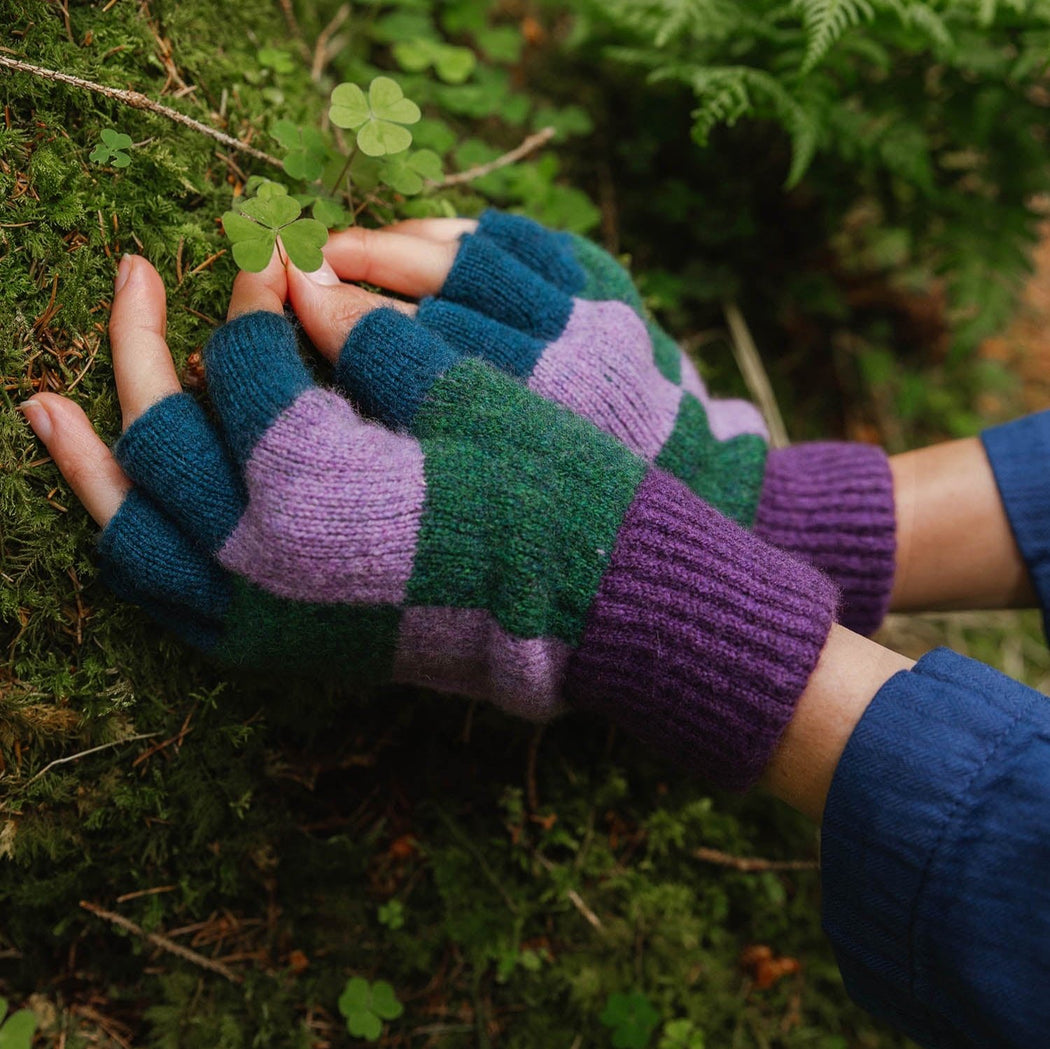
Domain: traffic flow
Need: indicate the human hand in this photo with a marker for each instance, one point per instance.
(492, 544)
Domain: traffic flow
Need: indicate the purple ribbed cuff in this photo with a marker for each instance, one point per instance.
(702, 637)
(831, 504)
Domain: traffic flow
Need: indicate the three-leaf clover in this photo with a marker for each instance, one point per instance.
(392, 914)
(377, 118)
(408, 174)
(276, 59)
(17, 1031)
(254, 226)
(331, 214)
(453, 64)
(111, 149)
(681, 1034)
(306, 149)
(366, 1006)
(632, 1018)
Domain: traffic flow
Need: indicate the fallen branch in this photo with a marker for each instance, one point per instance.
(162, 942)
(532, 143)
(751, 865)
(136, 100)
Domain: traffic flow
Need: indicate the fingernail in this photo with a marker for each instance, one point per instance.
(123, 271)
(324, 275)
(37, 417)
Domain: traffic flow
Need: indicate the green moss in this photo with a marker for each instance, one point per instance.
(261, 821)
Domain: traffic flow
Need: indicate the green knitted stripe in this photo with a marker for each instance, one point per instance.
(728, 474)
(355, 642)
(666, 354)
(607, 279)
(531, 544)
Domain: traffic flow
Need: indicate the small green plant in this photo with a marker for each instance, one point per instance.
(632, 1019)
(681, 1034)
(255, 224)
(392, 914)
(16, 1032)
(365, 1006)
(378, 117)
(112, 149)
(452, 64)
(305, 149)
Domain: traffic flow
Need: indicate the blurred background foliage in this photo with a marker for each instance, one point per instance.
(862, 178)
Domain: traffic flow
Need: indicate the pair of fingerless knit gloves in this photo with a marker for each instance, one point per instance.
(523, 494)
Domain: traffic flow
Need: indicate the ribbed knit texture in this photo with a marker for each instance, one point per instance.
(702, 638)
(832, 505)
(935, 853)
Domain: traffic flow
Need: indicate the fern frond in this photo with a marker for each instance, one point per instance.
(923, 17)
(825, 22)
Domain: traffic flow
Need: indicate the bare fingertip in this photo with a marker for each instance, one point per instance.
(38, 418)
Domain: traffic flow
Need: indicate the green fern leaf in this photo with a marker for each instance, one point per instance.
(825, 22)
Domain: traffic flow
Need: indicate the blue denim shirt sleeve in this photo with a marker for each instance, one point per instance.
(1019, 452)
(936, 857)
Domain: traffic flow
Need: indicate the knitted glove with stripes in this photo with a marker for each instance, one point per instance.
(560, 313)
(490, 544)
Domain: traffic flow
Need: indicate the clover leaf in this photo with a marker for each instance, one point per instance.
(17, 1031)
(681, 1034)
(111, 149)
(392, 914)
(254, 226)
(330, 214)
(632, 1018)
(377, 118)
(306, 151)
(408, 174)
(276, 59)
(451, 63)
(365, 1006)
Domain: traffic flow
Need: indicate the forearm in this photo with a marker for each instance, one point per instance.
(955, 547)
(849, 673)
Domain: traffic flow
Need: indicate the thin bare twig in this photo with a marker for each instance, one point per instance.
(84, 753)
(136, 100)
(323, 51)
(749, 864)
(575, 898)
(530, 145)
(750, 364)
(294, 29)
(578, 902)
(162, 942)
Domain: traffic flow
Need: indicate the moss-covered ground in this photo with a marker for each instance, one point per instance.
(263, 827)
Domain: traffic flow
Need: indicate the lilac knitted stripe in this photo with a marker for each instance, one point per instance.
(465, 650)
(601, 367)
(832, 505)
(302, 536)
(702, 637)
(727, 418)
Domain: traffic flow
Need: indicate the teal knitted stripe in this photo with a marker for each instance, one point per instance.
(353, 642)
(728, 474)
(529, 545)
(607, 279)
